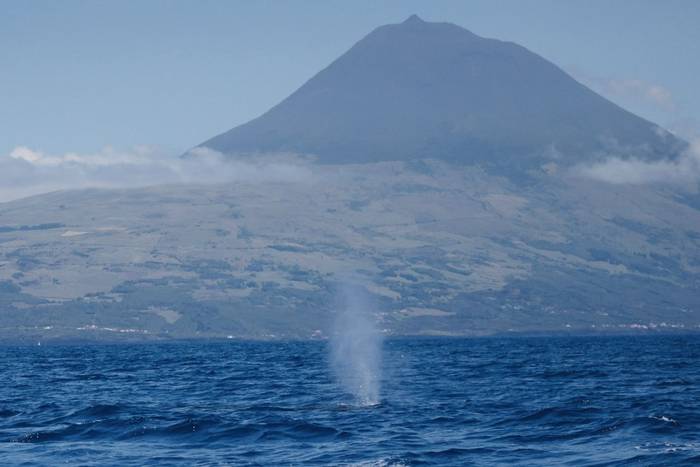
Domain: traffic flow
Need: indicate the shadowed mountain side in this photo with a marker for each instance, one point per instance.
(420, 89)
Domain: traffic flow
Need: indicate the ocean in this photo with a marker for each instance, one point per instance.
(483, 401)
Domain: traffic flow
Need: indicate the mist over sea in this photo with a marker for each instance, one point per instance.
(491, 401)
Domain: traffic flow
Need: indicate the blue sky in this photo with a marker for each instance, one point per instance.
(77, 76)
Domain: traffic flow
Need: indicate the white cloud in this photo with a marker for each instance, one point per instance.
(25, 171)
(618, 170)
(205, 165)
(629, 90)
(140, 155)
(635, 88)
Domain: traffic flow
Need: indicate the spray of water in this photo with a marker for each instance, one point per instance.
(356, 346)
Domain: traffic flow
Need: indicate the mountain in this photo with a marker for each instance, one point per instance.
(419, 89)
(411, 205)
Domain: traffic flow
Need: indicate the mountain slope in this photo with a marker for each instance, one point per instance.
(420, 89)
(447, 249)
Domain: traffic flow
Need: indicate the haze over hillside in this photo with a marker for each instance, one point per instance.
(419, 89)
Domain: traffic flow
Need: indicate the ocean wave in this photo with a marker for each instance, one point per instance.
(443, 402)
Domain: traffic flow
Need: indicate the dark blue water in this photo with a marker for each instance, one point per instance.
(557, 401)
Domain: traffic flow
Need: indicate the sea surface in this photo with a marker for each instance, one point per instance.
(490, 401)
